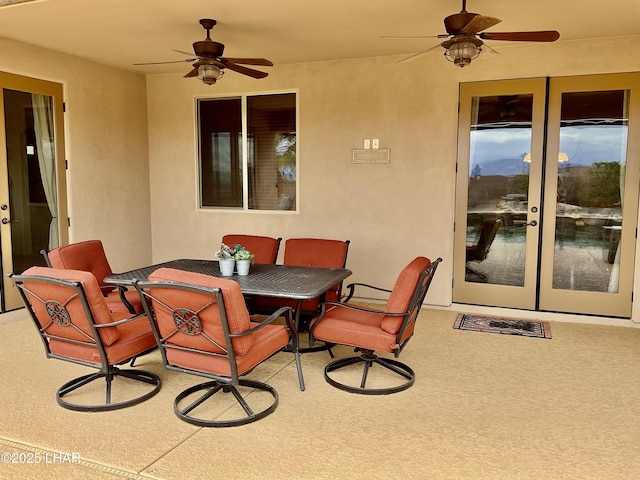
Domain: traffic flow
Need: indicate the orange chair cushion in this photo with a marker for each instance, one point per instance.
(134, 337)
(88, 256)
(237, 314)
(61, 294)
(267, 341)
(309, 252)
(265, 249)
(402, 293)
(345, 326)
(377, 332)
(315, 252)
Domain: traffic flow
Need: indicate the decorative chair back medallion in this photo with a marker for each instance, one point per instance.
(187, 321)
(58, 313)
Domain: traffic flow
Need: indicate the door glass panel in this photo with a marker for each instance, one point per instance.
(591, 174)
(497, 203)
(32, 177)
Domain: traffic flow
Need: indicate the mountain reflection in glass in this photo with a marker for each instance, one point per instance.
(498, 189)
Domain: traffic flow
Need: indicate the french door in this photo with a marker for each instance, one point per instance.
(32, 177)
(547, 194)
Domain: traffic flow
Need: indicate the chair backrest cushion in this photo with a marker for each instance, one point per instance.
(234, 304)
(315, 252)
(50, 292)
(265, 249)
(402, 293)
(88, 256)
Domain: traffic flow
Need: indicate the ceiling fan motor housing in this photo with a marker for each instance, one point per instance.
(208, 48)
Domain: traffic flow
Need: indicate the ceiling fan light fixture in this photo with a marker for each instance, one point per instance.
(209, 74)
(461, 53)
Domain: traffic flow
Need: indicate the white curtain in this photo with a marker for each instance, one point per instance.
(614, 278)
(45, 142)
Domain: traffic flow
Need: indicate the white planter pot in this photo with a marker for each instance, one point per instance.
(242, 266)
(226, 266)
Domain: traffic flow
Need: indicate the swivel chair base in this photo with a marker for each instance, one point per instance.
(109, 376)
(368, 358)
(214, 387)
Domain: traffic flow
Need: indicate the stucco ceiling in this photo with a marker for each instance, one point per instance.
(123, 32)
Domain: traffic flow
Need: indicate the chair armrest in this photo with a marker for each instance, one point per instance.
(323, 308)
(107, 289)
(278, 313)
(122, 290)
(120, 322)
(352, 289)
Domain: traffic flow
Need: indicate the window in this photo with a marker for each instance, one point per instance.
(247, 152)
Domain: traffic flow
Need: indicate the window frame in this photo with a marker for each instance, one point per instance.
(245, 152)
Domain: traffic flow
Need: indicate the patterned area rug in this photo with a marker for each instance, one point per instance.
(505, 326)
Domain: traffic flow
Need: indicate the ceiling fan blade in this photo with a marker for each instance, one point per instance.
(188, 54)
(244, 70)
(192, 73)
(479, 23)
(540, 36)
(249, 61)
(416, 37)
(163, 63)
(489, 49)
(419, 54)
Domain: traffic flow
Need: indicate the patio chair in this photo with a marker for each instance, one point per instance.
(265, 249)
(369, 330)
(203, 328)
(75, 325)
(314, 252)
(89, 256)
(478, 251)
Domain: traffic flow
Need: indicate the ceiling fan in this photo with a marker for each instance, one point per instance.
(465, 34)
(209, 64)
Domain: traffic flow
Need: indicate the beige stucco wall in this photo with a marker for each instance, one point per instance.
(391, 213)
(136, 188)
(385, 210)
(106, 146)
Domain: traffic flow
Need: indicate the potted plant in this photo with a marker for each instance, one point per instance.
(226, 259)
(244, 259)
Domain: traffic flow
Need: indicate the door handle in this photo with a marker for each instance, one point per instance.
(6, 221)
(532, 223)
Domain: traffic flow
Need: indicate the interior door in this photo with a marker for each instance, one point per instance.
(32, 176)
(550, 166)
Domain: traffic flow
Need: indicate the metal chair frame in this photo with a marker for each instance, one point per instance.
(59, 315)
(368, 356)
(188, 321)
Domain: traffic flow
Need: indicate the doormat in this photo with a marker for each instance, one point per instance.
(504, 326)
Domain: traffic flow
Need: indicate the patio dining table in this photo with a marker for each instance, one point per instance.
(298, 283)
